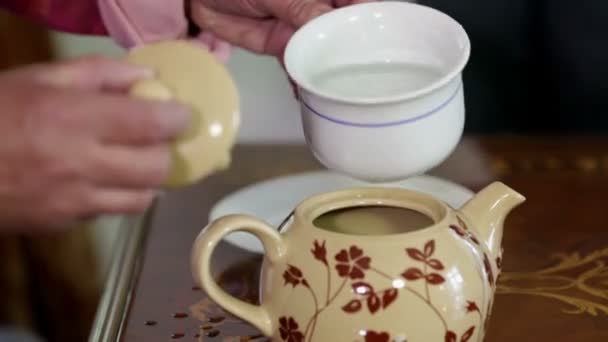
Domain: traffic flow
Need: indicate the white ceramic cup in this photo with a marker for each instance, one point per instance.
(381, 129)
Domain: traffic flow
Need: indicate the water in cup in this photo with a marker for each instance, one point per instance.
(375, 79)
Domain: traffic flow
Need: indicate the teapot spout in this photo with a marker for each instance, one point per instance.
(488, 210)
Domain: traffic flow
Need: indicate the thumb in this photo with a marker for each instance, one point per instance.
(297, 12)
(96, 73)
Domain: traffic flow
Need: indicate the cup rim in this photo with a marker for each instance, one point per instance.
(452, 73)
(359, 197)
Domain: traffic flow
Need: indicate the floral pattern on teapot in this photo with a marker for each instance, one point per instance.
(351, 264)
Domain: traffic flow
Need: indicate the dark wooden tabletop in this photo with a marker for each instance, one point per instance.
(554, 285)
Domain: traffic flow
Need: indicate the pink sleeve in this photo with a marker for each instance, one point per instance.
(128, 22)
(135, 22)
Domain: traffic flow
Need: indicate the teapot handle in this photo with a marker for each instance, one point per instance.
(202, 252)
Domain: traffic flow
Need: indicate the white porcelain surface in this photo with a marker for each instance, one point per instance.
(273, 200)
(375, 137)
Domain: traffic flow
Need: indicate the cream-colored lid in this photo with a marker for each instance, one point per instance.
(190, 75)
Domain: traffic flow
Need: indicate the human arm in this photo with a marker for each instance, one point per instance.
(75, 145)
(262, 26)
(74, 16)
(129, 22)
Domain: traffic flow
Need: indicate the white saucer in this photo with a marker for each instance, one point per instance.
(274, 199)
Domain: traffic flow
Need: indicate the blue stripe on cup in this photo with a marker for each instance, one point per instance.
(391, 123)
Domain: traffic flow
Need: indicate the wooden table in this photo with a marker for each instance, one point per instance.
(554, 285)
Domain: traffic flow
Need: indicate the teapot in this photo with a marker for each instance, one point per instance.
(432, 283)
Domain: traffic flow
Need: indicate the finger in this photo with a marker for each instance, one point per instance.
(219, 47)
(343, 3)
(246, 8)
(252, 34)
(96, 73)
(118, 119)
(297, 12)
(137, 168)
(277, 41)
(119, 201)
(67, 204)
(80, 200)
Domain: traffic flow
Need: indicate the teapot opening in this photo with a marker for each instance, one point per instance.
(372, 211)
(373, 220)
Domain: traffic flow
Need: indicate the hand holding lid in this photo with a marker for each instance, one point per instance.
(192, 76)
